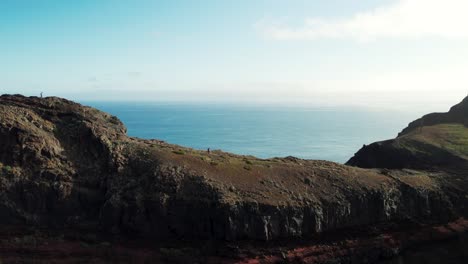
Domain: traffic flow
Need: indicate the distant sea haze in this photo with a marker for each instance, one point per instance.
(333, 134)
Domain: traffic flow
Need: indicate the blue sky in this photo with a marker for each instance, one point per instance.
(334, 52)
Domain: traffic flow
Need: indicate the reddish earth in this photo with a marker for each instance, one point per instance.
(366, 249)
(367, 245)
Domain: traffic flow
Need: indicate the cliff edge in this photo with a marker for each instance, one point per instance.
(437, 141)
(64, 165)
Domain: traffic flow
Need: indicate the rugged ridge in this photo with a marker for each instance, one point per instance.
(64, 165)
(457, 114)
(437, 141)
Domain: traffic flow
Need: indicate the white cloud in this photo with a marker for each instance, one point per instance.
(403, 19)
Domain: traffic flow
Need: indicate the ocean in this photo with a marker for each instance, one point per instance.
(265, 131)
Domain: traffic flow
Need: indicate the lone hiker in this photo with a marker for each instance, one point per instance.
(41, 94)
(208, 150)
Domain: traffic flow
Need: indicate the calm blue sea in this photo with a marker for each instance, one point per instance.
(333, 134)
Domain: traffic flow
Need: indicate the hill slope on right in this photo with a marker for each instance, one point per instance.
(437, 141)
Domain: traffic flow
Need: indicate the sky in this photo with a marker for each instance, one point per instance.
(373, 53)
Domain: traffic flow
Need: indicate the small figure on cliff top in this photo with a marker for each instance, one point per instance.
(41, 94)
(208, 150)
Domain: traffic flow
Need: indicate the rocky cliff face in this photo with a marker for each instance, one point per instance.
(68, 165)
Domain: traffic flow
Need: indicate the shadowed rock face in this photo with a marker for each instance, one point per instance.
(68, 165)
(457, 114)
(435, 141)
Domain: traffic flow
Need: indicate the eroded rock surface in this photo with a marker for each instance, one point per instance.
(68, 165)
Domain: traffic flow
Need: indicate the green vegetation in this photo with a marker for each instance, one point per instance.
(6, 169)
(9, 171)
(450, 137)
(178, 152)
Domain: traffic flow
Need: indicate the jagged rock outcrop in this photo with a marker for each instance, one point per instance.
(68, 165)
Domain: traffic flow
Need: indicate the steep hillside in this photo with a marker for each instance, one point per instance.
(458, 114)
(436, 141)
(68, 166)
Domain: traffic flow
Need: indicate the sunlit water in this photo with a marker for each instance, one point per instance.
(265, 131)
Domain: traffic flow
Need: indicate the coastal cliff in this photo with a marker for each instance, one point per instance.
(68, 166)
(437, 141)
